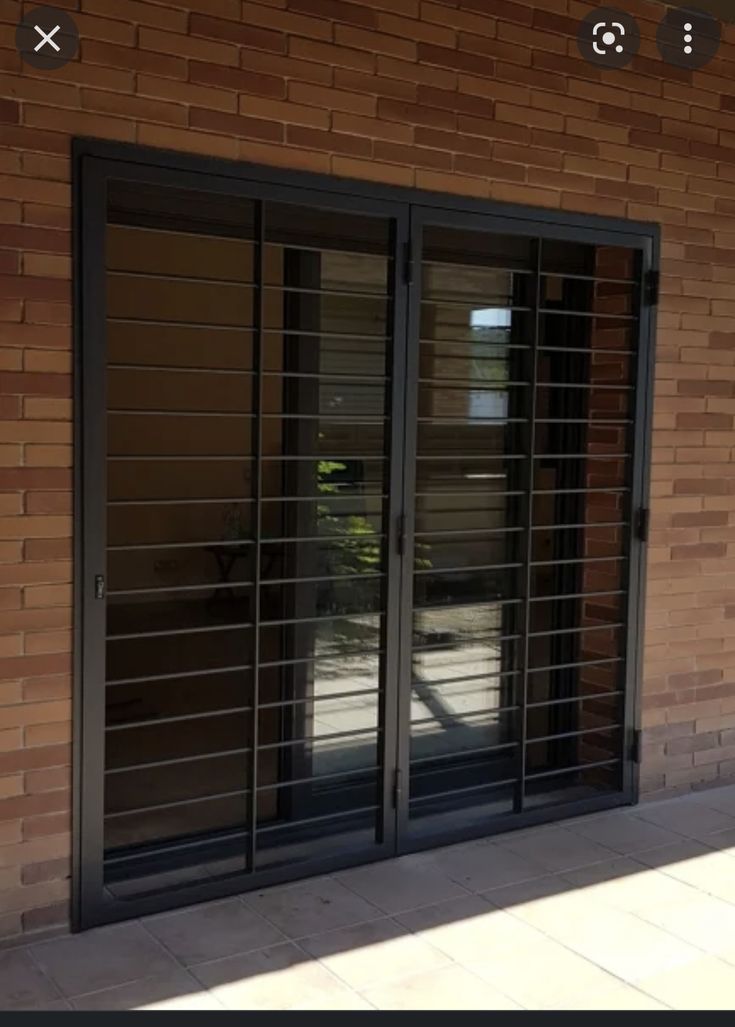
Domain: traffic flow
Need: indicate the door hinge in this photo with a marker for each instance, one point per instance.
(643, 522)
(401, 535)
(636, 743)
(99, 586)
(653, 285)
(408, 263)
(396, 789)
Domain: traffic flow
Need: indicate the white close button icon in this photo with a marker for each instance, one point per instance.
(46, 38)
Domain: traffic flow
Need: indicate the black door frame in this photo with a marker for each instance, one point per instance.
(94, 162)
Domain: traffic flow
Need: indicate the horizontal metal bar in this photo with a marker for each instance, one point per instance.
(481, 302)
(572, 770)
(587, 386)
(316, 579)
(593, 457)
(478, 492)
(204, 544)
(453, 341)
(575, 699)
(467, 570)
(588, 314)
(575, 666)
(234, 372)
(379, 614)
(471, 422)
(235, 458)
(577, 631)
(336, 776)
(469, 790)
(316, 740)
(575, 734)
(485, 676)
(459, 457)
(491, 711)
(142, 810)
(578, 560)
(461, 753)
(471, 384)
(588, 278)
(170, 676)
(617, 490)
(580, 526)
(324, 818)
(308, 699)
(318, 657)
(578, 595)
(145, 412)
(168, 276)
(201, 715)
(165, 589)
(177, 846)
(168, 323)
(428, 608)
(457, 644)
(586, 350)
(175, 761)
(199, 630)
(462, 265)
(469, 532)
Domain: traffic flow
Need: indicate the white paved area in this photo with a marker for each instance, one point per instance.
(633, 909)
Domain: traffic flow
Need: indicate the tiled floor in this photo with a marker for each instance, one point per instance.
(627, 910)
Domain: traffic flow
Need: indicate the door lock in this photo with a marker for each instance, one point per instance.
(99, 586)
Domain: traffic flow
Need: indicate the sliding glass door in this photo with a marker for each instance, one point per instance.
(359, 488)
(520, 445)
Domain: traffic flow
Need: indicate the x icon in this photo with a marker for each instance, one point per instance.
(46, 38)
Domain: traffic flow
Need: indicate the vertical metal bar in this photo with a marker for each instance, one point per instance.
(390, 681)
(408, 526)
(90, 537)
(257, 506)
(526, 614)
(639, 461)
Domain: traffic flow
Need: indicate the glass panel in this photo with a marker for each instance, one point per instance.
(323, 524)
(240, 454)
(472, 465)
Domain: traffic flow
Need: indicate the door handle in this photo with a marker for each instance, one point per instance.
(99, 586)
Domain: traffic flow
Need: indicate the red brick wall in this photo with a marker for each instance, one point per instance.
(486, 98)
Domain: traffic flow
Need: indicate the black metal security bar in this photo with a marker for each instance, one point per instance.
(361, 478)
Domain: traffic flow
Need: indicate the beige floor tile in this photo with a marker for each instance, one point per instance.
(482, 865)
(213, 931)
(402, 884)
(312, 907)
(622, 832)
(712, 871)
(102, 958)
(546, 904)
(623, 944)
(704, 921)
(555, 849)
(281, 977)
(544, 975)
(368, 955)
(177, 990)
(722, 799)
(452, 987)
(462, 928)
(627, 884)
(611, 996)
(707, 983)
(686, 817)
(22, 984)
